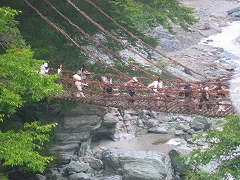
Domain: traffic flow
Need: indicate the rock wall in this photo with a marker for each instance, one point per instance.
(85, 123)
(75, 127)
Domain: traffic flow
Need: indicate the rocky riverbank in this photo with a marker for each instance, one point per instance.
(214, 15)
(185, 47)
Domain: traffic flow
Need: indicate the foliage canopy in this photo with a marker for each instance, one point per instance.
(138, 17)
(223, 149)
(20, 84)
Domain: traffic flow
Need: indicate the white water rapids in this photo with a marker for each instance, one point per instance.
(227, 40)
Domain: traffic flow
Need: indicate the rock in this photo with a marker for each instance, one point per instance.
(75, 126)
(179, 132)
(200, 123)
(152, 122)
(79, 176)
(175, 141)
(57, 173)
(39, 177)
(77, 167)
(178, 166)
(160, 130)
(96, 164)
(235, 12)
(229, 67)
(84, 150)
(115, 177)
(139, 165)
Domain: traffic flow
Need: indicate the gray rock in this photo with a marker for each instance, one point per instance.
(178, 166)
(84, 150)
(79, 176)
(115, 177)
(151, 122)
(200, 123)
(137, 165)
(57, 174)
(235, 12)
(94, 163)
(179, 132)
(39, 177)
(77, 167)
(160, 130)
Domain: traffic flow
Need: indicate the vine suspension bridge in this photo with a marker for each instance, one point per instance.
(171, 98)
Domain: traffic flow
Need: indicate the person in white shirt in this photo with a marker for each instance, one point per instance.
(78, 82)
(44, 68)
(155, 86)
(59, 69)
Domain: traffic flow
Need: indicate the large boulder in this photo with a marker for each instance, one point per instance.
(200, 123)
(137, 165)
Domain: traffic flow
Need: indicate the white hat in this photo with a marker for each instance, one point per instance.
(45, 64)
(134, 79)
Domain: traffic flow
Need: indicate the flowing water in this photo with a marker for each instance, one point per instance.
(227, 40)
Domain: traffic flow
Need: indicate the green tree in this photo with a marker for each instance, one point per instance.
(20, 83)
(9, 33)
(138, 17)
(223, 149)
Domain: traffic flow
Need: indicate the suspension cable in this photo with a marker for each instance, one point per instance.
(73, 41)
(96, 42)
(127, 46)
(137, 38)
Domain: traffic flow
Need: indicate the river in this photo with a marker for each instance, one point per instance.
(227, 40)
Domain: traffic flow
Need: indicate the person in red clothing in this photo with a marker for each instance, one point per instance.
(132, 84)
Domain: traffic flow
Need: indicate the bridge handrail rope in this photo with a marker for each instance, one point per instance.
(127, 46)
(168, 83)
(73, 41)
(171, 99)
(140, 40)
(95, 41)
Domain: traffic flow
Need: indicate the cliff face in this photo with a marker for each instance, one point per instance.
(75, 126)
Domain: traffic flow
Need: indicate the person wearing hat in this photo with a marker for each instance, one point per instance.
(78, 82)
(44, 68)
(132, 84)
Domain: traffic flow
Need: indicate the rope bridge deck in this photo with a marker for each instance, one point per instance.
(170, 99)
